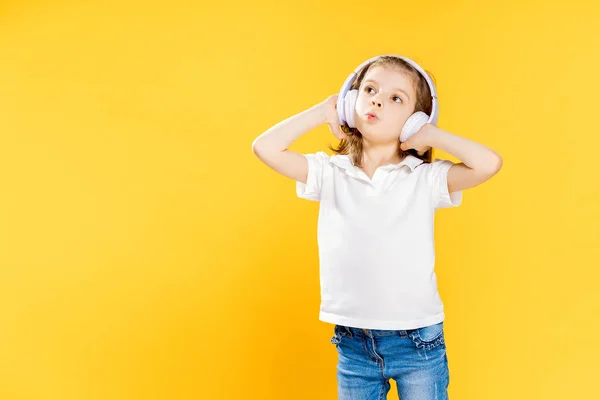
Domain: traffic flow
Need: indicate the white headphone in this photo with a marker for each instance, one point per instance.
(346, 101)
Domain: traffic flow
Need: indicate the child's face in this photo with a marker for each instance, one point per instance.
(388, 94)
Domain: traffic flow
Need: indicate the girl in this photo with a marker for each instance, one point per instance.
(378, 195)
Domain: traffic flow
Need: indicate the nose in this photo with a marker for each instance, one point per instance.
(376, 102)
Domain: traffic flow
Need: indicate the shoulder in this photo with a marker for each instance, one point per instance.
(323, 160)
(437, 166)
(436, 163)
(321, 155)
(317, 174)
(317, 161)
(436, 173)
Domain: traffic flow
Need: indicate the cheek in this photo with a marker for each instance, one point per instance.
(360, 103)
(401, 116)
(396, 121)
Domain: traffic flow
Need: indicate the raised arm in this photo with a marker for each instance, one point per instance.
(271, 147)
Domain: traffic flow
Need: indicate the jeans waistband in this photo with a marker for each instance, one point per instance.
(376, 332)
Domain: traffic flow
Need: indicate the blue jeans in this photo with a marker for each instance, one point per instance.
(415, 358)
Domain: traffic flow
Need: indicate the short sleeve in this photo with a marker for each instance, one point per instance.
(311, 190)
(438, 179)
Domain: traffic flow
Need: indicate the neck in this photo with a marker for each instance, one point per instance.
(377, 155)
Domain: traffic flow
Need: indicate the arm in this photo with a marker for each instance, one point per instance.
(478, 162)
(271, 147)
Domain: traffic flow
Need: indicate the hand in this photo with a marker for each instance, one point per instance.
(420, 140)
(330, 103)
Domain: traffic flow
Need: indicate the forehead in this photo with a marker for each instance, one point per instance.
(390, 77)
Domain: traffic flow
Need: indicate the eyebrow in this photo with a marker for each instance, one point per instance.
(396, 89)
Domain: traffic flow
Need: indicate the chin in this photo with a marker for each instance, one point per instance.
(375, 137)
(373, 131)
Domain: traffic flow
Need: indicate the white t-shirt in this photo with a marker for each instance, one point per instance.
(375, 240)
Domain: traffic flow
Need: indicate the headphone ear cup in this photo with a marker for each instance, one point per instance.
(349, 106)
(340, 109)
(413, 124)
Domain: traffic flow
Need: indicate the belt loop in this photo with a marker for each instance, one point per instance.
(348, 330)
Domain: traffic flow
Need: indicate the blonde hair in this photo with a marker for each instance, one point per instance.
(353, 145)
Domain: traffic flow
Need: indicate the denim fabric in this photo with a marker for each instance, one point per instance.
(415, 359)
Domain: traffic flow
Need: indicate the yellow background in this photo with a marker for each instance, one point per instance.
(146, 253)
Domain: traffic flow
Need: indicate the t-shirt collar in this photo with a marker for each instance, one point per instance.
(344, 161)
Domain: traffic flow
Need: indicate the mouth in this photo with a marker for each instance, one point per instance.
(371, 117)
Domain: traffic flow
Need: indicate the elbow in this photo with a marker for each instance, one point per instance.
(497, 163)
(494, 165)
(260, 148)
(256, 147)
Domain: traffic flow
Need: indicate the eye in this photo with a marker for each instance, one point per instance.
(367, 88)
(396, 97)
